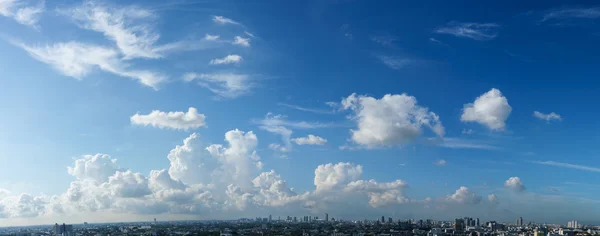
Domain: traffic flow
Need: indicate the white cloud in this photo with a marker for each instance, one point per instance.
(515, 184)
(249, 34)
(397, 63)
(584, 13)
(244, 42)
(547, 117)
(440, 162)
(490, 109)
(190, 163)
(239, 160)
(273, 120)
(22, 206)
(278, 147)
(125, 25)
(334, 176)
(94, 167)
(29, 15)
(299, 108)
(161, 179)
(171, 120)
(209, 37)
(77, 60)
(493, 198)
(459, 143)
(391, 120)
(229, 59)
(6, 7)
(226, 85)
(128, 184)
(475, 31)
(467, 131)
(224, 20)
(567, 165)
(310, 140)
(465, 196)
(386, 41)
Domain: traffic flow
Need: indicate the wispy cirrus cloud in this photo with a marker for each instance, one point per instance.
(306, 109)
(566, 13)
(226, 85)
(224, 20)
(25, 15)
(397, 63)
(568, 165)
(458, 143)
(475, 31)
(77, 60)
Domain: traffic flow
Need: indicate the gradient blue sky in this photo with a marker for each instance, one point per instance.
(301, 61)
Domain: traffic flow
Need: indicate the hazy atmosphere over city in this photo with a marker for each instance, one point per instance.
(208, 109)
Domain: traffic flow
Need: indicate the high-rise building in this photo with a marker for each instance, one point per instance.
(389, 220)
(295, 220)
(477, 222)
(270, 218)
(64, 229)
(573, 224)
(459, 224)
(326, 217)
(154, 220)
(520, 221)
(382, 219)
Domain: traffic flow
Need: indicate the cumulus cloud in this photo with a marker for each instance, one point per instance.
(226, 85)
(310, 140)
(547, 117)
(224, 20)
(490, 109)
(334, 176)
(244, 42)
(77, 60)
(493, 198)
(128, 184)
(391, 120)
(464, 195)
(94, 167)
(475, 31)
(171, 120)
(229, 59)
(515, 184)
(190, 163)
(440, 162)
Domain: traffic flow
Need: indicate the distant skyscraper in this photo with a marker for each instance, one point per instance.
(459, 224)
(154, 220)
(389, 220)
(520, 221)
(326, 217)
(270, 218)
(477, 222)
(382, 219)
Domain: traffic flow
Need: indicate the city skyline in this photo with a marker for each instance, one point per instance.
(191, 110)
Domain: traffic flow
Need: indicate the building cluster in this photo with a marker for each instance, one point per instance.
(313, 226)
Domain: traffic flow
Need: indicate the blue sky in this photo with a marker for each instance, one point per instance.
(421, 98)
